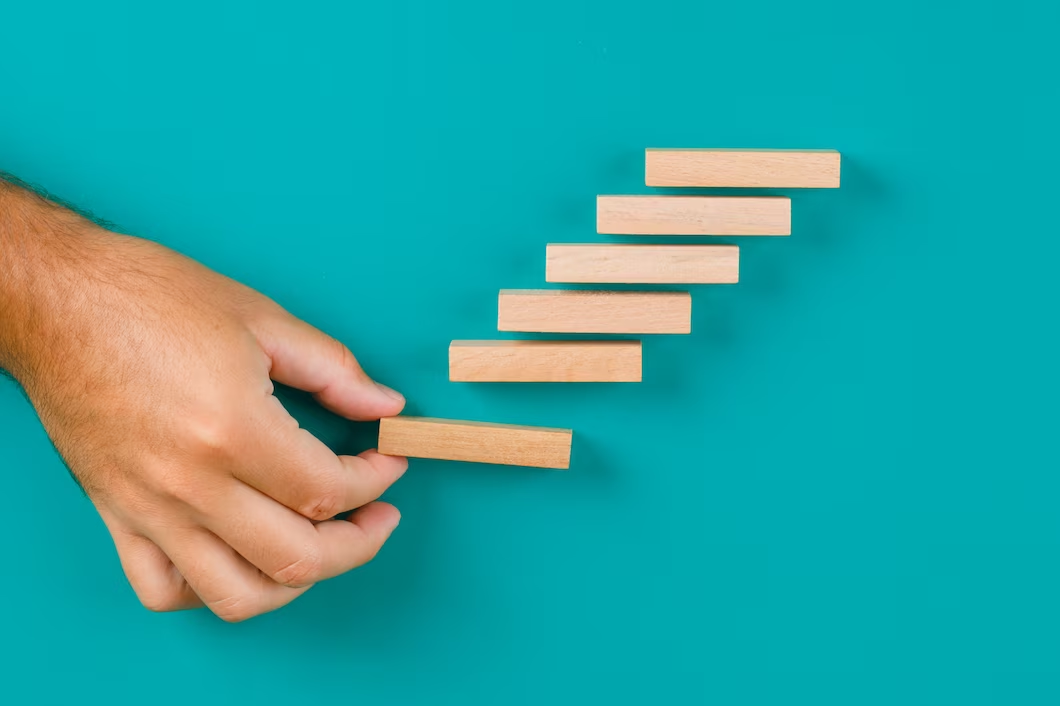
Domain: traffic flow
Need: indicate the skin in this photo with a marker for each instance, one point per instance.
(153, 376)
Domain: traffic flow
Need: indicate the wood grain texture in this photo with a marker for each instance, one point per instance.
(776, 169)
(478, 442)
(545, 361)
(642, 264)
(693, 215)
(583, 311)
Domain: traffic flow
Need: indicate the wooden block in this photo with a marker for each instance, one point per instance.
(581, 311)
(693, 215)
(545, 361)
(478, 442)
(642, 264)
(750, 168)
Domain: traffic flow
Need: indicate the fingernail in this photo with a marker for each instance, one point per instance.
(392, 394)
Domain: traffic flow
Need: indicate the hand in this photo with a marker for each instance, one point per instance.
(153, 376)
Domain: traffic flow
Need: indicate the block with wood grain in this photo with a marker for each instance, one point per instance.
(642, 264)
(693, 215)
(585, 311)
(777, 169)
(477, 442)
(545, 361)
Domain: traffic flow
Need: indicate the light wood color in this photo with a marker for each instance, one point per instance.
(582, 311)
(478, 442)
(776, 169)
(642, 264)
(693, 215)
(545, 361)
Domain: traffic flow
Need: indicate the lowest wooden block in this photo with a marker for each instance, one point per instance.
(545, 361)
(693, 215)
(642, 264)
(747, 168)
(583, 311)
(478, 442)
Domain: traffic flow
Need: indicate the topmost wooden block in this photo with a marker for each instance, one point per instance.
(747, 168)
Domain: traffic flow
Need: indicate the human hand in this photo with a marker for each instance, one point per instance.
(153, 377)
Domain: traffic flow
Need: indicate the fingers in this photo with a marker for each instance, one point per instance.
(374, 473)
(252, 559)
(290, 549)
(296, 469)
(224, 581)
(354, 542)
(310, 360)
(375, 522)
(157, 583)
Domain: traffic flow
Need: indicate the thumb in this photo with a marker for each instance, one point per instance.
(308, 359)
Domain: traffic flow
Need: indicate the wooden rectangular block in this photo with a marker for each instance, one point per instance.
(545, 361)
(478, 442)
(693, 215)
(582, 311)
(776, 169)
(642, 264)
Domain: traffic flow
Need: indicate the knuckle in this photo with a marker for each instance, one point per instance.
(303, 571)
(235, 609)
(210, 434)
(325, 503)
(342, 354)
(160, 601)
(345, 358)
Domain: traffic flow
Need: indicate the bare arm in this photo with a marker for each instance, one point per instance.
(153, 377)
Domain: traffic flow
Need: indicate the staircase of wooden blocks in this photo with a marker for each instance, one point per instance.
(614, 312)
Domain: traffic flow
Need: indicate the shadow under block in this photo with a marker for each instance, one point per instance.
(778, 169)
(583, 311)
(545, 361)
(477, 442)
(693, 215)
(642, 264)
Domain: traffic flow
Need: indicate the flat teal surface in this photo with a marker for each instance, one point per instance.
(842, 488)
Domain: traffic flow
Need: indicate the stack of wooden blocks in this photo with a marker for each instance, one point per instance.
(614, 312)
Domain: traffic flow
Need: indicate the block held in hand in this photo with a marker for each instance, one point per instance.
(477, 442)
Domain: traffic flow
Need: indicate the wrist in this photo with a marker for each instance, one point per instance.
(39, 244)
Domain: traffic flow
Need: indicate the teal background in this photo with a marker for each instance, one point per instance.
(840, 489)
